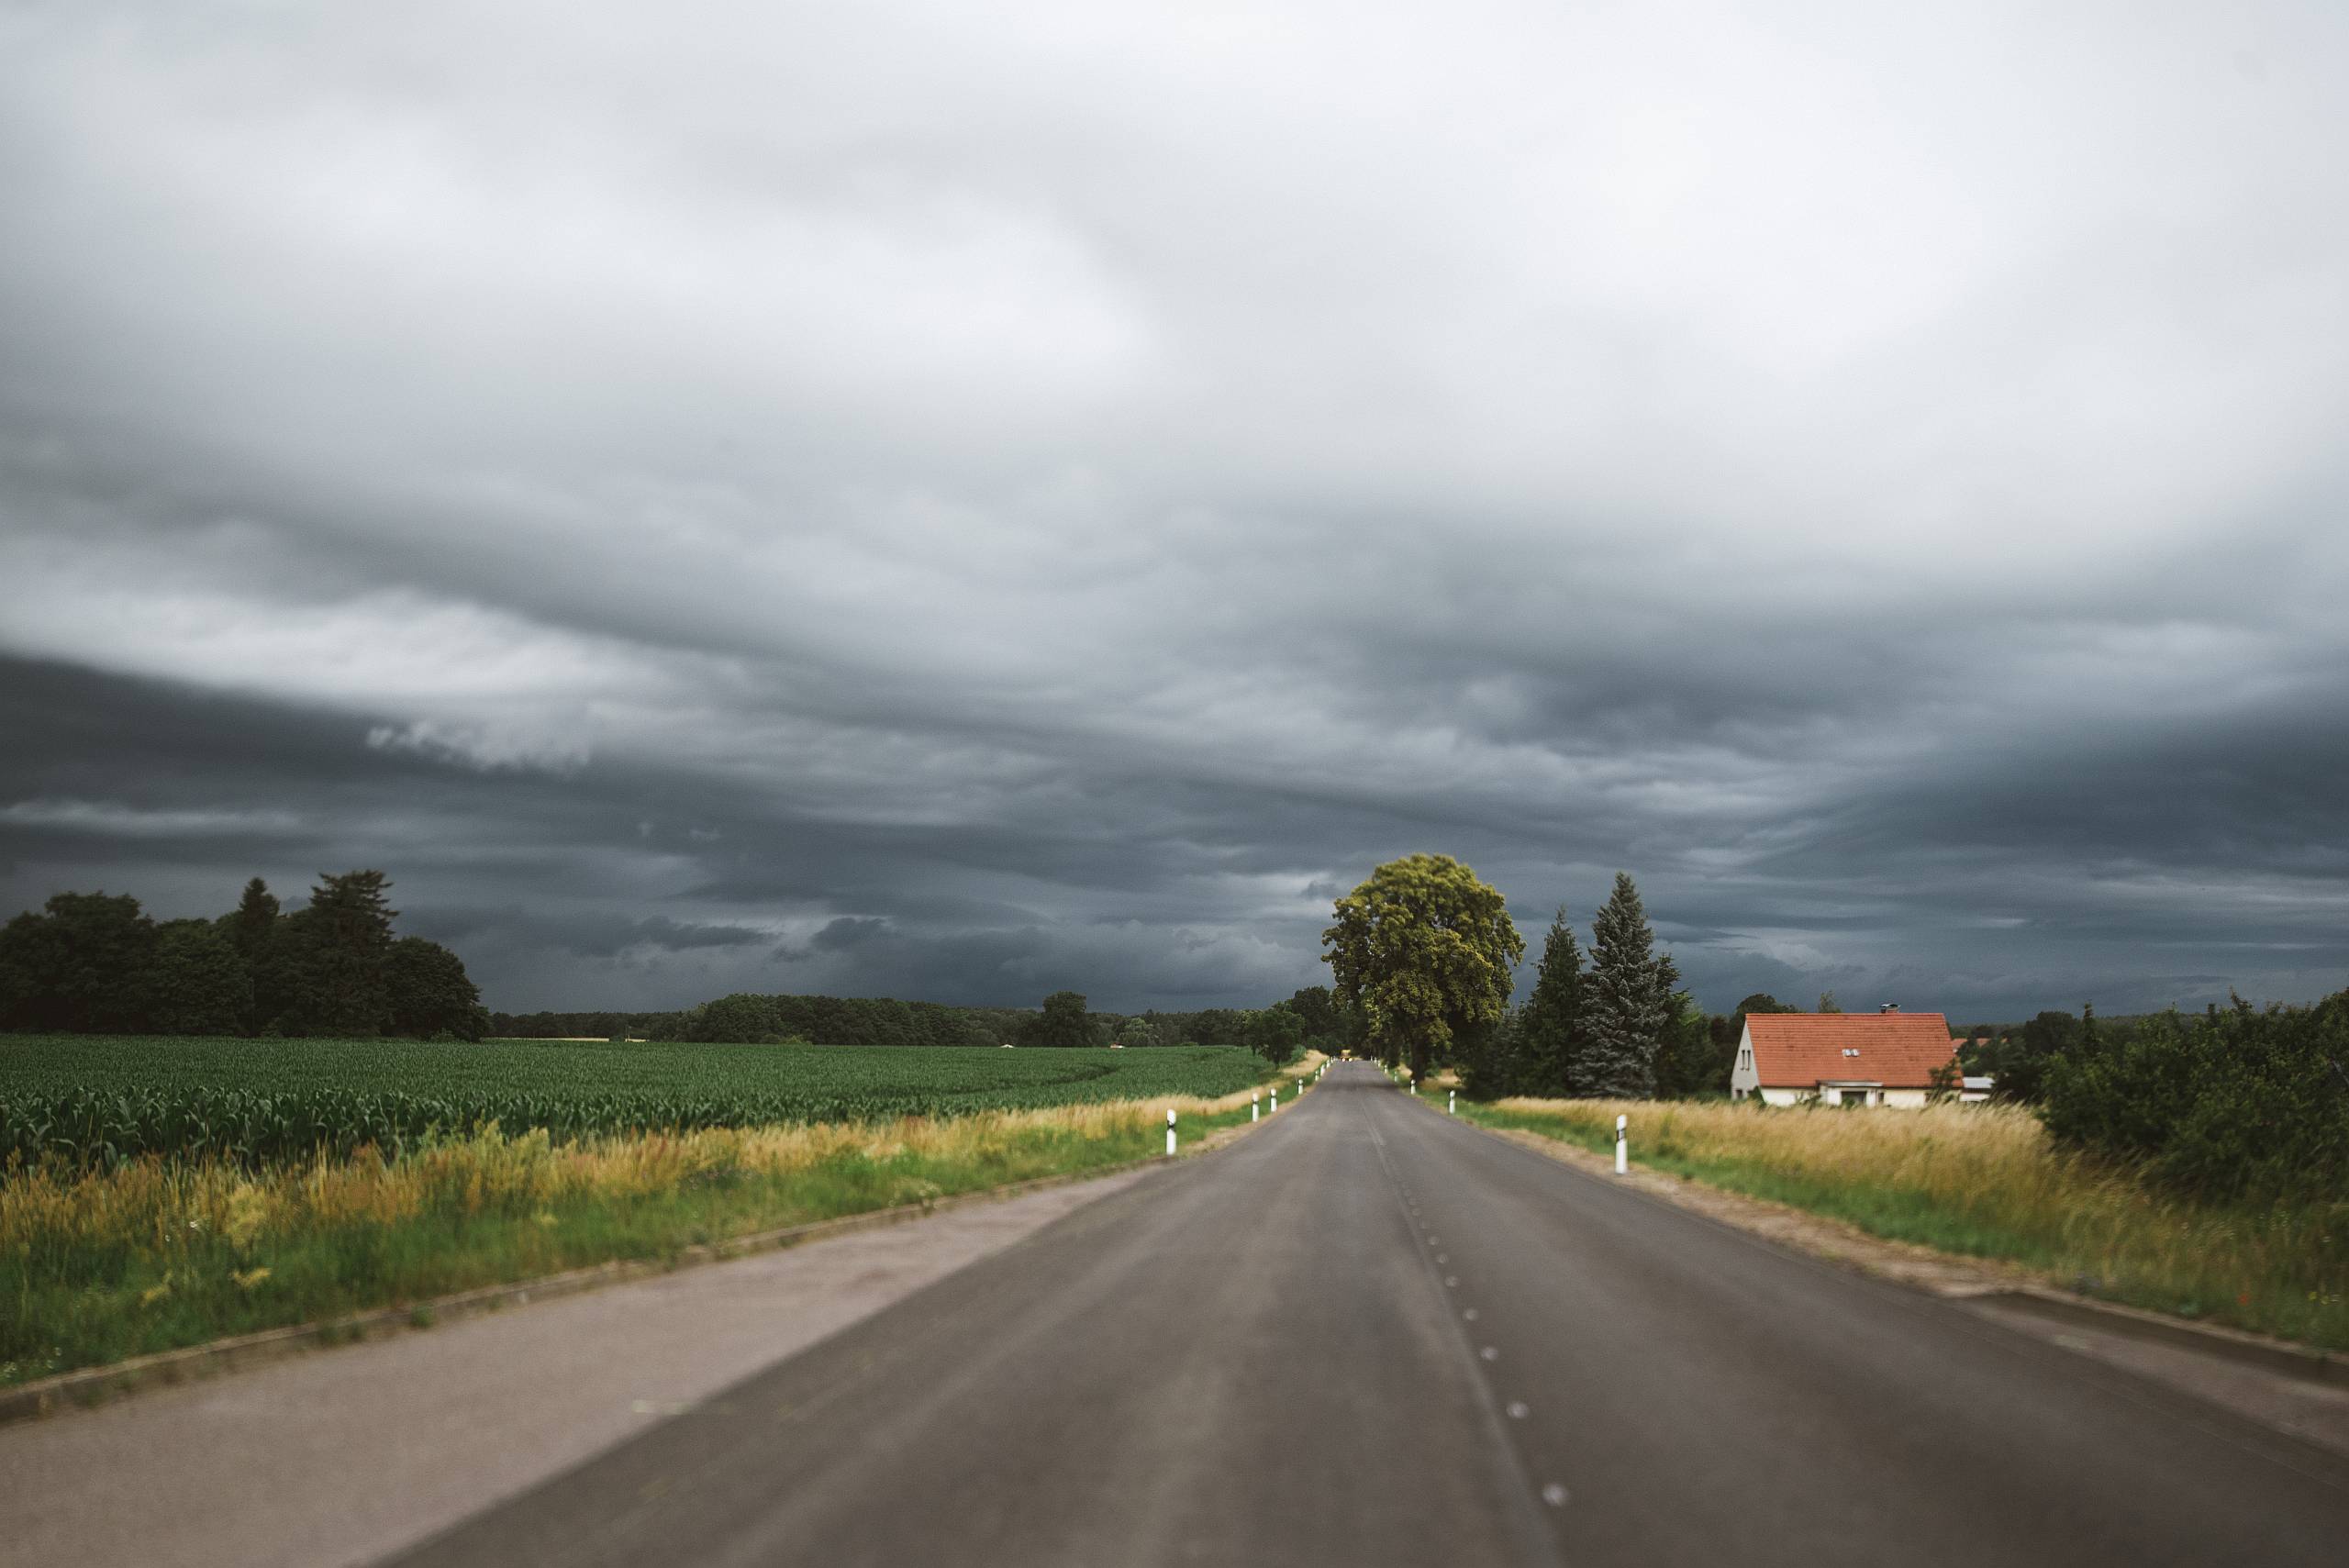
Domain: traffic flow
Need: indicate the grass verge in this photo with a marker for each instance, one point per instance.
(1985, 1182)
(158, 1254)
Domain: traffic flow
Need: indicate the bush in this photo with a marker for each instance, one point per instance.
(2238, 1103)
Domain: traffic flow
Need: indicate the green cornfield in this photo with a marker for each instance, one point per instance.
(97, 1101)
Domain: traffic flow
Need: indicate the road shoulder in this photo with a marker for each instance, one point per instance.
(344, 1458)
(2284, 1387)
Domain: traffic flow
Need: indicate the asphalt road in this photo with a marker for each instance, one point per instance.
(1368, 1334)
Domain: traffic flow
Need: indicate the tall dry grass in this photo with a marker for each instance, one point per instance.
(99, 1265)
(1985, 1181)
(172, 1207)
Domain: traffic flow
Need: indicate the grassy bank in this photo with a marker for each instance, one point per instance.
(98, 1265)
(1985, 1182)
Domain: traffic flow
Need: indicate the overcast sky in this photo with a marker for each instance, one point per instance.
(958, 501)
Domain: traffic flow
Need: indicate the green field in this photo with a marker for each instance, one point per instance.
(93, 1099)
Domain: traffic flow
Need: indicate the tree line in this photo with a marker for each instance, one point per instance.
(748, 1017)
(1310, 1019)
(97, 964)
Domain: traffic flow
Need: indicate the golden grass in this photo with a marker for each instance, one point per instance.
(156, 1202)
(160, 1205)
(1985, 1179)
(99, 1265)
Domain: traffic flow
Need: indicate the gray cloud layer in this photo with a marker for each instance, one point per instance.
(912, 500)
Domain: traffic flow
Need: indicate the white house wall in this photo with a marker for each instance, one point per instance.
(1898, 1099)
(1744, 1078)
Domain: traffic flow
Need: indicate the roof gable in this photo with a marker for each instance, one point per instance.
(1801, 1050)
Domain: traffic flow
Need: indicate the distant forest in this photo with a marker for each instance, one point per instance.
(95, 963)
(1308, 1020)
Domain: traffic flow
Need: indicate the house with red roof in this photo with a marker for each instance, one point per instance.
(1886, 1058)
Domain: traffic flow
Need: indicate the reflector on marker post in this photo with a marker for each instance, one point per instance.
(1622, 1144)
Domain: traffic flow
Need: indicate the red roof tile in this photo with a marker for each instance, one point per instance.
(1801, 1051)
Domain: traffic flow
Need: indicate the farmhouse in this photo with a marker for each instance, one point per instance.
(1870, 1059)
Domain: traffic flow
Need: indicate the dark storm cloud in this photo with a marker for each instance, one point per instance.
(956, 506)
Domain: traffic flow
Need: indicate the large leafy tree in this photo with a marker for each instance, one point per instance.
(85, 964)
(430, 993)
(1423, 950)
(1063, 1021)
(200, 983)
(1627, 1001)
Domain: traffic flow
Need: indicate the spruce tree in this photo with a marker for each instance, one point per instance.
(1549, 1028)
(1626, 1001)
(255, 918)
(350, 950)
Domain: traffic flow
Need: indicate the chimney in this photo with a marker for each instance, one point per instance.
(1889, 1008)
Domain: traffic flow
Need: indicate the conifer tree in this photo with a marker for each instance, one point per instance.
(1626, 1001)
(1548, 1030)
(255, 917)
(350, 942)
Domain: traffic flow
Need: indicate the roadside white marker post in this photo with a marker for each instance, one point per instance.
(1277, 1100)
(1254, 1105)
(1170, 1132)
(1622, 1144)
(1452, 1102)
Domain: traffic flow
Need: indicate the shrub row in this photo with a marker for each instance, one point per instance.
(2239, 1103)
